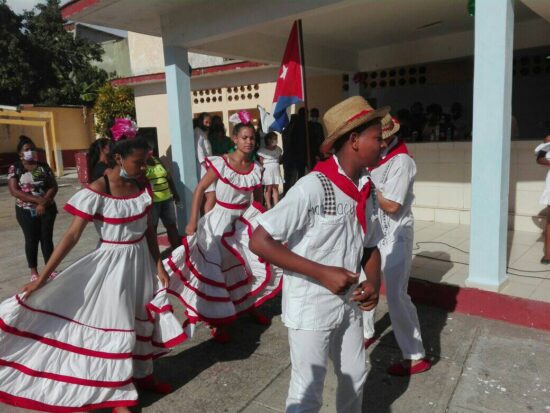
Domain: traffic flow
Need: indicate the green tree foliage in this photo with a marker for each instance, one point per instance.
(15, 70)
(112, 102)
(57, 67)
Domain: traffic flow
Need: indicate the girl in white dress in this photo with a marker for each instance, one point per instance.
(204, 150)
(214, 273)
(83, 340)
(270, 157)
(543, 158)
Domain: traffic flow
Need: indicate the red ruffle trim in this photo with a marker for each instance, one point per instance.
(192, 319)
(239, 257)
(204, 279)
(172, 342)
(147, 188)
(184, 240)
(109, 330)
(35, 405)
(63, 378)
(234, 170)
(222, 178)
(98, 217)
(62, 345)
(165, 344)
(193, 270)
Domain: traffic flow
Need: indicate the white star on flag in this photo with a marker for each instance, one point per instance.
(283, 74)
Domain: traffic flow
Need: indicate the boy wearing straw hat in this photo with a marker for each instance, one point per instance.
(394, 178)
(328, 222)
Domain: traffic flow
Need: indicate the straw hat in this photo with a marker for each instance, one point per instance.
(390, 126)
(346, 116)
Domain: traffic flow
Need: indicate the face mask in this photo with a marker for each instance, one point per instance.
(314, 119)
(30, 156)
(123, 173)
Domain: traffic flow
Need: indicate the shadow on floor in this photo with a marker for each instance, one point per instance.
(183, 367)
(381, 389)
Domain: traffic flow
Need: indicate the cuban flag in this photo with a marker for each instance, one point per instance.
(290, 85)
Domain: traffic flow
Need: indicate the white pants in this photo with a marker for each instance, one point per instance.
(309, 353)
(396, 268)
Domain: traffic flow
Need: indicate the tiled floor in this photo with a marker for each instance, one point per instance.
(441, 255)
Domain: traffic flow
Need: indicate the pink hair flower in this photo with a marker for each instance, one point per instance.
(124, 127)
(241, 116)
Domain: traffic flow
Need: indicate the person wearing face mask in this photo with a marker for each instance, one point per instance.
(86, 340)
(33, 185)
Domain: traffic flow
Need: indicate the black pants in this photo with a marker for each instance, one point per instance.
(38, 229)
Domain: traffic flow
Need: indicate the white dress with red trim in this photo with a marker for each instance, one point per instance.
(214, 273)
(79, 342)
(272, 168)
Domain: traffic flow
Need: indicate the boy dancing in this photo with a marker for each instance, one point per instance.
(328, 223)
(394, 179)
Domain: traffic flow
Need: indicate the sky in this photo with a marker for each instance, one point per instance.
(19, 5)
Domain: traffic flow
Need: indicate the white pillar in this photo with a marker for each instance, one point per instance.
(494, 34)
(180, 115)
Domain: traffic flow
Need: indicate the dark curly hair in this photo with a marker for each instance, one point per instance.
(95, 149)
(24, 140)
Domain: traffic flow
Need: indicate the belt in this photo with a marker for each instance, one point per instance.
(132, 241)
(232, 206)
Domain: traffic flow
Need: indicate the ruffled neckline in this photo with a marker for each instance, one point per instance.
(105, 195)
(245, 181)
(235, 170)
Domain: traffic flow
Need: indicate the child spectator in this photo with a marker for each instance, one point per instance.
(270, 158)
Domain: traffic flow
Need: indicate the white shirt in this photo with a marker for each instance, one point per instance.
(204, 150)
(336, 239)
(395, 179)
(270, 155)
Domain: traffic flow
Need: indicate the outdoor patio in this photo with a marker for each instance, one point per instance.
(441, 256)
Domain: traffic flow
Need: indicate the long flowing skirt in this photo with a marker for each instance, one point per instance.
(215, 275)
(78, 342)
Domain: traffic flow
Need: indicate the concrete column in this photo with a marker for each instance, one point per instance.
(494, 34)
(180, 115)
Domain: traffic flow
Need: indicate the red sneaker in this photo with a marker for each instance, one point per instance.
(220, 335)
(149, 384)
(261, 319)
(398, 369)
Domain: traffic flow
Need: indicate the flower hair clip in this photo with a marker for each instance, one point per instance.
(124, 127)
(242, 116)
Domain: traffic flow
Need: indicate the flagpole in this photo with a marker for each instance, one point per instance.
(306, 120)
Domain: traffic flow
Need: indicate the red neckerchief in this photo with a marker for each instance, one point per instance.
(398, 149)
(329, 168)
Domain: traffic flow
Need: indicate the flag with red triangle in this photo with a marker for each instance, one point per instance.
(290, 81)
